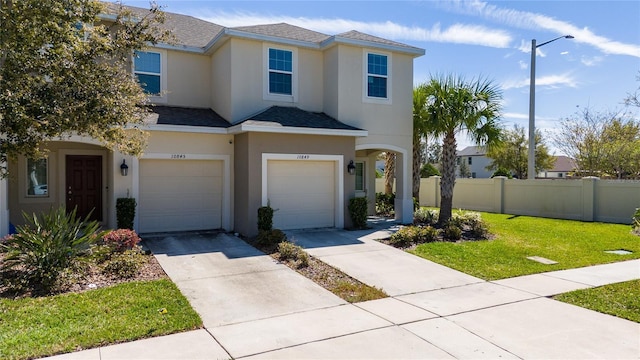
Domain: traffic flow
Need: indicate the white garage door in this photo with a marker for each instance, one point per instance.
(303, 192)
(179, 195)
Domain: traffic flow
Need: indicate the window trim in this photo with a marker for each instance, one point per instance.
(162, 97)
(266, 94)
(365, 77)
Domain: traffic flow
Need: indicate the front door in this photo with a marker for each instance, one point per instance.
(84, 185)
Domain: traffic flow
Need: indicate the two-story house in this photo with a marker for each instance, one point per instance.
(476, 160)
(243, 117)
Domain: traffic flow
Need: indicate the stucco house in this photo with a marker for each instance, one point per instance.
(475, 157)
(562, 167)
(243, 117)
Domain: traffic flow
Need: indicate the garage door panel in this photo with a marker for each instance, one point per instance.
(303, 192)
(177, 195)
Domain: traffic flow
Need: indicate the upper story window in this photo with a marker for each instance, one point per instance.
(280, 81)
(280, 71)
(377, 75)
(148, 70)
(377, 78)
(470, 160)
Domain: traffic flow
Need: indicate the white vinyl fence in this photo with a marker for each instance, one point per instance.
(587, 199)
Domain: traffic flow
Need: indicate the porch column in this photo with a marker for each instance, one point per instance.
(4, 207)
(404, 198)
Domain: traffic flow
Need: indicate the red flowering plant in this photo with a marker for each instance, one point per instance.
(121, 239)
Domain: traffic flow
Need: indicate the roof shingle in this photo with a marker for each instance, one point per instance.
(171, 115)
(295, 117)
(286, 31)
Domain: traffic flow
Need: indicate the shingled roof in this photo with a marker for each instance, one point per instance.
(171, 115)
(286, 31)
(187, 30)
(295, 117)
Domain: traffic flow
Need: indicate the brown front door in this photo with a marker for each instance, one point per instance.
(84, 185)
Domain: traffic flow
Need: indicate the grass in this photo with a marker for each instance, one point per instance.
(621, 299)
(36, 327)
(571, 243)
(354, 293)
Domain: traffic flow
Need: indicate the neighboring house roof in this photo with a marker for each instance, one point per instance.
(171, 115)
(286, 31)
(295, 117)
(563, 164)
(472, 151)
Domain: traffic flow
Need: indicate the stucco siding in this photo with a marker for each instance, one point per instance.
(185, 87)
(221, 78)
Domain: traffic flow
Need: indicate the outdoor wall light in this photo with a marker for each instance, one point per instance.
(124, 168)
(351, 168)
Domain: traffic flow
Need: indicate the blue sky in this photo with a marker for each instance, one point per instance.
(492, 39)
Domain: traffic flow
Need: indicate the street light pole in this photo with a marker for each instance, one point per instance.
(531, 163)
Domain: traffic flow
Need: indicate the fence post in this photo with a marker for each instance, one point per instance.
(498, 194)
(589, 197)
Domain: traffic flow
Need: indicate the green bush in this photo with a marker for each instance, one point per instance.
(385, 203)
(125, 212)
(470, 221)
(265, 218)
(125, 264)
(428, 170)
(636, 222)
(410, 235)
(270, 238)
(451, 232)
(289, 251)
(425, 216)
(502, 172)
(46, 245)
(358, 208)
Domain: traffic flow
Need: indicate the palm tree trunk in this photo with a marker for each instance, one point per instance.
(417, 161)
(389, 172)
(448, 180)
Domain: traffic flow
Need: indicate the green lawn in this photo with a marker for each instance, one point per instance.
(35, 327)
(571, 243)
(621, 300)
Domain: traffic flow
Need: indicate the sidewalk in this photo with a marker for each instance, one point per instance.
(253, 307)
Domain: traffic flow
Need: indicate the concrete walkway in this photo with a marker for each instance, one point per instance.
(253, 307)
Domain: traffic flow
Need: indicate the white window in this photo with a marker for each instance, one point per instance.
(281, 79)
(377, 77)
(470, 160)
(360, 179)
(149, 69)
(37, 177)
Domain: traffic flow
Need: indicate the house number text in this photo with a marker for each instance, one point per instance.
(178, 156)
(303, 157)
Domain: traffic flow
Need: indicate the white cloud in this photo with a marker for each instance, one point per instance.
(549, 81)
(591, 61)
(529, 20)
(523, 65)
(456, 33)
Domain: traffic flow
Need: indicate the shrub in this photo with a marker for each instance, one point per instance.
(451, 232)
(265, 218)
(409, 235)
(358, 208)
(425, 216)
(428, 170)
(125, 212)
(124, 264)
(636, 222)
(470, 221)
(289, 251)
(385, 203)
(121, 239)
(270, 238)
(46, 245)
(502, 172)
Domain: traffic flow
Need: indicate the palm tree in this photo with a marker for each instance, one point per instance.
(455, 106)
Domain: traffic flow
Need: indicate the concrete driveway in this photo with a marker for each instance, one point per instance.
(253, 307)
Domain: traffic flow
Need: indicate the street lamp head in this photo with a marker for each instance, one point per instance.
(568, 36)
